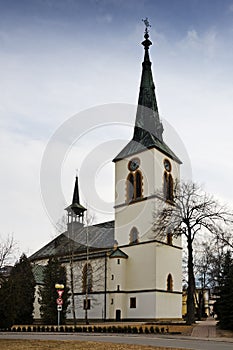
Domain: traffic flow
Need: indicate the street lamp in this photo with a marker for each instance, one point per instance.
(60, 291)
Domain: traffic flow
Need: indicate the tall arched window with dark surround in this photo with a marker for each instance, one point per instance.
(169, 238)
(169, 283)
(168, 187)
(134, 181)
(134, 236)
(130, 187)
(87, 278)
(165, 184)
(138, 176)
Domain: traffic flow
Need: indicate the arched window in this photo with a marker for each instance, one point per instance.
(169, 283)
(133, 236)
(87, 278)
(134, 186)
(165, 184)
(130, 187)
(170, 188)
(168, 181)
(169, 238)
(138, 176)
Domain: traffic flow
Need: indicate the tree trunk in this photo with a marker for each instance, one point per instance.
(72, 289)
(86, 309)
(191, 283)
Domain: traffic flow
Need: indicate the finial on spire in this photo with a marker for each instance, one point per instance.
(146, 43)
(147, 24)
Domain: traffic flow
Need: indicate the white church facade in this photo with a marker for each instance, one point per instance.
(131, 273)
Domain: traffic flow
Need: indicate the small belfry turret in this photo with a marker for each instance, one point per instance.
(76, 210)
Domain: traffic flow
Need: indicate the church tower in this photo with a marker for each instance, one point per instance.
(149, 280)
(146, 169)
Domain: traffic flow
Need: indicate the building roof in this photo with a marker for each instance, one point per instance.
(148, 130)
(118, 253)
(147, 141)
(100, 236)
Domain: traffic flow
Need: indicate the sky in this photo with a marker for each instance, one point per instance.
(69, 76)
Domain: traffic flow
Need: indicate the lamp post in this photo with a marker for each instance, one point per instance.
(60, 291)
(87, 273)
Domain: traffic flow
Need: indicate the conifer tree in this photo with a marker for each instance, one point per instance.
(17, 294)
(224, 305)
(7, 310)
(25, 286)
(55, 273)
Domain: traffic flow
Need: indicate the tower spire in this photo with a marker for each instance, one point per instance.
(148, 129)
(76, 192)
(76, 207)
(147, 118)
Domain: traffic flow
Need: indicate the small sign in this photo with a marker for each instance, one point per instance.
(60, 292)
(59, 307)
(59, 301)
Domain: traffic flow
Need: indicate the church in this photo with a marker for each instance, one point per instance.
(119, 269)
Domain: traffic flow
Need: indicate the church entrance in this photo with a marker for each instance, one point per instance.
(118, 315)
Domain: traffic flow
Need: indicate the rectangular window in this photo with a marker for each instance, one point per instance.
(112, 301)
(118, 261)
(86, 306)
(112, 277)
(132, 302)
(118, 287)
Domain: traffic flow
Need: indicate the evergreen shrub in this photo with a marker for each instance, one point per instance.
(140, 330)
(152, 329)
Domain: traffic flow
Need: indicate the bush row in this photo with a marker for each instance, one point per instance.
(93, 329)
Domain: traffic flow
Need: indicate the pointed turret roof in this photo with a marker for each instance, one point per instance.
(147, 117)
(76, 192)
(148, 130)
(77, 208)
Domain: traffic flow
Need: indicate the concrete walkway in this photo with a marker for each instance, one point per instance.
(205, 329)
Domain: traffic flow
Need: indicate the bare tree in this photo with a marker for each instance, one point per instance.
(7, 248)
(192, 212)
(91, 283)
(224, 235)
(61, 225)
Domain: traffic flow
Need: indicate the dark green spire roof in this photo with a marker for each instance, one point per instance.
(148, 130)
(147, 118)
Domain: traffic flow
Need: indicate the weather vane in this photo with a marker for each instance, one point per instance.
(147, 24)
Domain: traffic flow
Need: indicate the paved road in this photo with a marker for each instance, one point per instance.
(154, 340)
(205, 329)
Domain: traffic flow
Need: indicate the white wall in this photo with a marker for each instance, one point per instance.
(140, 213)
